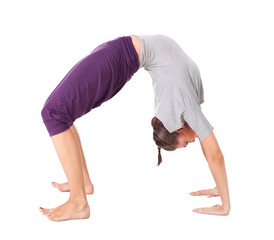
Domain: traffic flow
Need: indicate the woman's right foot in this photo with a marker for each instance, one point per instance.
(64, 187)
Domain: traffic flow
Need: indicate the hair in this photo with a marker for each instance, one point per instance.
(163, 138)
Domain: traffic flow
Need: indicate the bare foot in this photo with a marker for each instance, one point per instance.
(67, 211)
(64, 187)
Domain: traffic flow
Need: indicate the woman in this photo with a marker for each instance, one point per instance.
(178, 117)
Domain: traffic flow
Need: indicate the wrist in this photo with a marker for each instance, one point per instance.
(226, 207)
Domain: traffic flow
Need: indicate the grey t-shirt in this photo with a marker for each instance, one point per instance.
(177, 84)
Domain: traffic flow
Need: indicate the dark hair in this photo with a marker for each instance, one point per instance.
(162, 137)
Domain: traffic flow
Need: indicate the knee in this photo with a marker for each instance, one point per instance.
(54, 120)
(44, 113)
(47, 118)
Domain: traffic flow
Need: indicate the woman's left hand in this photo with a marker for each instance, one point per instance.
(215, 210)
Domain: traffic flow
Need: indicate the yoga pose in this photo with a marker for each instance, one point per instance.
(177, 121)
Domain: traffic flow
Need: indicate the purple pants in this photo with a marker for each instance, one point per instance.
(93, 80)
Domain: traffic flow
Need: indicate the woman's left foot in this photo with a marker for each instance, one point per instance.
(64, 187)
(67, 211)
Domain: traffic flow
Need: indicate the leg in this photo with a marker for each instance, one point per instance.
(68, 152)
(89, 188)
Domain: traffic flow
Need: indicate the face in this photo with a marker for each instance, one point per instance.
(187, 135)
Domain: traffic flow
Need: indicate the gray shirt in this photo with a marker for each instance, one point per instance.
(177, 84)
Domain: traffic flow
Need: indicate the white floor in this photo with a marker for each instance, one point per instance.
(231, 42)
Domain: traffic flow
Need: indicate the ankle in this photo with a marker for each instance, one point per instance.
(78, 200)
(87, 181)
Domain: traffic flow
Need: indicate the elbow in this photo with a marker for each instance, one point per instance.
(220, 156)
(216, 158)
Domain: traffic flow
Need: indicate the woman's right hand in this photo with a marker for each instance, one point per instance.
(209, 192)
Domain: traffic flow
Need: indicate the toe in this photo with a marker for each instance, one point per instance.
(54, 184)
(45, 210)
(59, 186)
(49, 215)
(48, 210)
(62, 187)
(53, 217)
(41, 210)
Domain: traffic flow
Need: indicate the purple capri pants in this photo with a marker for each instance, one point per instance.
(93, 80)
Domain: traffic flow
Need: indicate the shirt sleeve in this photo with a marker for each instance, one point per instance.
(197, 120)
(168, 103)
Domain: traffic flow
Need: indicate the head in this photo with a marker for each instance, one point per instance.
(171, 141)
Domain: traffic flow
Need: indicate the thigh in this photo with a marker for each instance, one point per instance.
(77, 93)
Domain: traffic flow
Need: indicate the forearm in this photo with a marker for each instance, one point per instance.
(217, 168)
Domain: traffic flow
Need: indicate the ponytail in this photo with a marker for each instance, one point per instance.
(163, 139)
(159, 156)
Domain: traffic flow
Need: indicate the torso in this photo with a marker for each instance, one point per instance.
(137, 44)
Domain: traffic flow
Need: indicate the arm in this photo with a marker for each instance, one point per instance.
(202, 147)
(216, 164)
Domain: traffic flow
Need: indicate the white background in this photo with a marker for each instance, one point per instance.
(231, 42)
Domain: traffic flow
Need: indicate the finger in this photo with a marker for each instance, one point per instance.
(199, 193)
(205, 210)
(195, 194)
(212, 195)
(211, 210)
(201, 210)
(197, 210)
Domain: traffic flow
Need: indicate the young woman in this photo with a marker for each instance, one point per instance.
(178, 117)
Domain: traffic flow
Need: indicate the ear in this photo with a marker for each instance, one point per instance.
(179, 130)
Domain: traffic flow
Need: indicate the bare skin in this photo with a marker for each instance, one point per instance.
(137, 45)
(187, 135)
(69, 154)
(216, 209)
(206, 192)
(215, 159)
(89, 188)
(69, 150)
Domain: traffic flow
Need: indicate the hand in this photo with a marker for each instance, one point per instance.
(214, 210)
(209, 192)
